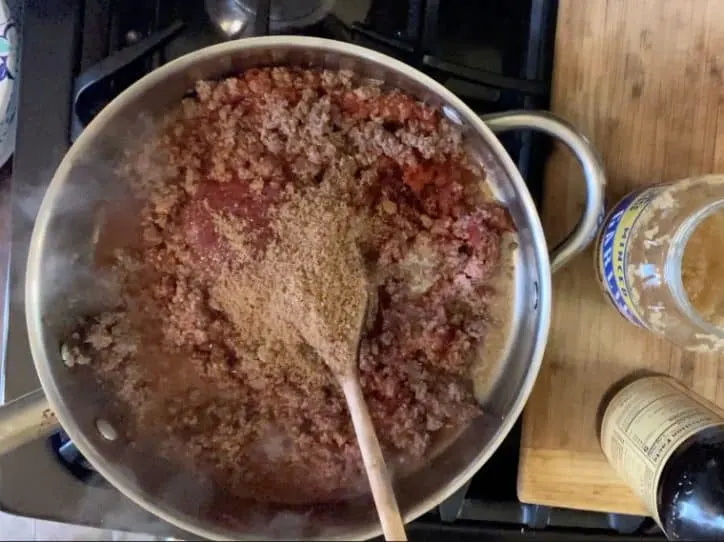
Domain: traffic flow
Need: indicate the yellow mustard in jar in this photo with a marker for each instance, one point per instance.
(660, 260)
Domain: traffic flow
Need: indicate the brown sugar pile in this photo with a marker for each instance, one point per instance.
(260, 193)
(326, 284)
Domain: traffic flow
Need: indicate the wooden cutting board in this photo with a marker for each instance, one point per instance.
(644, 80)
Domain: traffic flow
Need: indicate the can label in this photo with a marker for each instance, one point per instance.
(612, 250)
(643, 426)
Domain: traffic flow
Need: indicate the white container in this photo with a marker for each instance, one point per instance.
(9, 64)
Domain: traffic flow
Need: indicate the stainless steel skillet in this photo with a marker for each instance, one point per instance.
(59, 286)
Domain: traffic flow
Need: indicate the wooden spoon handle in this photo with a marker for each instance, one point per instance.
(382, 492)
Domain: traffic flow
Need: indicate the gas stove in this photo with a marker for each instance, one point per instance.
(78, 54)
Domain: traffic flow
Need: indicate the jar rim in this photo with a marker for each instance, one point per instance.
(673, 270)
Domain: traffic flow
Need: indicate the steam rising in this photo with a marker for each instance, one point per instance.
(71, 285)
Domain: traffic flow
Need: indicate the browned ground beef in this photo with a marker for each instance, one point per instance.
(250, 405)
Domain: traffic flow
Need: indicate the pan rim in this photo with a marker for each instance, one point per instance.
(153, 80)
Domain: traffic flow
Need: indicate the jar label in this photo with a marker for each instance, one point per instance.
(643, 426)
(612, 250)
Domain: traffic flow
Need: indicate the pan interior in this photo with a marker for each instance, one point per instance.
(65, 285)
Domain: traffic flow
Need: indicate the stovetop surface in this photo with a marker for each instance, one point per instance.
(495, 55)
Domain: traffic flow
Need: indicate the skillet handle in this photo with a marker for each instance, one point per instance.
(25, 419)
(593, 173)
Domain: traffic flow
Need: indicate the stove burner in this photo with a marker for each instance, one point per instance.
(69, 456)
(234, 17)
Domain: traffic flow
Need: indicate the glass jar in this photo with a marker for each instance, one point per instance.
(660, 260)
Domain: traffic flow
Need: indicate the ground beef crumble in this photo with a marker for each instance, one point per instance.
(205, 370)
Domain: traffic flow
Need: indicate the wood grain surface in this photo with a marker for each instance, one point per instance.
(644, 80)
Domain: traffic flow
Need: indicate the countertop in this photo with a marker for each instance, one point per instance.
(643, 79)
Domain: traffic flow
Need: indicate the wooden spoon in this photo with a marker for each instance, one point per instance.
(374, 462)
(339, 346)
